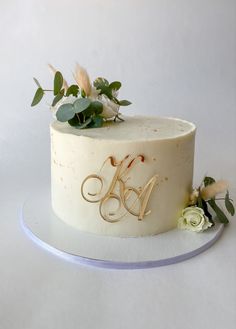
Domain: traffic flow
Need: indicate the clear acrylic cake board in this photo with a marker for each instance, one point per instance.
(47, 230)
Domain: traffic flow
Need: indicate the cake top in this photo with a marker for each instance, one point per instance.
(133, 128)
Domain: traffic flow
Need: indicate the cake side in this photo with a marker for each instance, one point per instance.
(155, 167)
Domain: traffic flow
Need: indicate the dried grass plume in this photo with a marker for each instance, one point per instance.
(82, 78)
(193, 197)
(212, 190)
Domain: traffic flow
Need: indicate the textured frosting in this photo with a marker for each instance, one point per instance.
(136, 128)
(167, 148)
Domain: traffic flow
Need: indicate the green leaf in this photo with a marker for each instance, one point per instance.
(84, 124)
(100, 83)
(37, 83)
(199, 202)
(207, 213)
(74, 121)
(65, 112)
(219, 213)
(38, 96)
(89, 112)
(229, 205)
(115, 85)
(72, 90)
(208, 180)
(124, 103)
(94, 108)
(107, 91)
(97, 122)
(58, 82)
(81, 104)
(83, 94)
(58, 97)
(103, 85)
(97, 107)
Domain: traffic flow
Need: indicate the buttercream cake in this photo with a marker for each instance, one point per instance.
(130, 178)
(124, 178)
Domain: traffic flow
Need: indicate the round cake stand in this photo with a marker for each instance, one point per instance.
(43, 227)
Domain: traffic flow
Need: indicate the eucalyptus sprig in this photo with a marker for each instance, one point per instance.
(110, 90)
(83, 105)
(205, 197)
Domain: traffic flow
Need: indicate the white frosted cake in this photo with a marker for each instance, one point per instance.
(130, 178)
(123, 178)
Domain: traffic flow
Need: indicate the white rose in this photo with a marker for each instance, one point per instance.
(194, 219)
(65, 100)
(110, 108)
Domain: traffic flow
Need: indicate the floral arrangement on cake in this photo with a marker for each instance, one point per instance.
(82, 104)
(196, 216)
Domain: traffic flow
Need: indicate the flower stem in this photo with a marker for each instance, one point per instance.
(78, 117)
(218, 199)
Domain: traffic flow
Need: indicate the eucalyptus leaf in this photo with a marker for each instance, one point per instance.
(74, 121)
(97, 122)
(38, 96)
(81, 104)
(219, 213)
(124, 103)
(84, 124)
(89, 112)
(97, 107)
(208, 180)
(58, 82)
(72, 90)
(115, 85)
(37, 83)
(65, 112)
(229, 205)
(58, 97)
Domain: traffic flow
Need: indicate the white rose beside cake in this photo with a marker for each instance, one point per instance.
(123, 176)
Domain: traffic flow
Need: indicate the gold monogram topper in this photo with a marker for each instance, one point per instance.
(129, 199)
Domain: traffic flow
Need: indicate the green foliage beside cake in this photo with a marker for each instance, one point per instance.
(83, 105)
(197, 216)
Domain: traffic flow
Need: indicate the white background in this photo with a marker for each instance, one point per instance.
(175, 58)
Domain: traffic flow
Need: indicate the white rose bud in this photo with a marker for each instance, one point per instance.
(194, 219)
(110, 108)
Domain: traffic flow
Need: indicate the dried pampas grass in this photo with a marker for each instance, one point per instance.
(212, 190)
(53, 70)
(82, 78)
(193, 197)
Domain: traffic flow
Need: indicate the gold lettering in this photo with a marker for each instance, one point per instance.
(119, 190)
